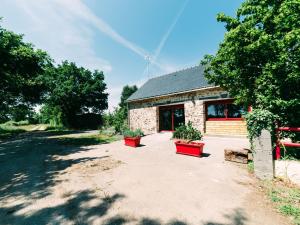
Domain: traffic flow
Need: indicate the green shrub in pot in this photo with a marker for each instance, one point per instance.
(133, 133)
(187, 133)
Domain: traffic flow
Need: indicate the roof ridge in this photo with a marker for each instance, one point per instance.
(188, 68)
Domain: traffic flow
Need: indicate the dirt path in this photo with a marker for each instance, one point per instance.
(44, 182)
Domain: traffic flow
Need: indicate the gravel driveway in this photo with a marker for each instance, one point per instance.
(111, 184)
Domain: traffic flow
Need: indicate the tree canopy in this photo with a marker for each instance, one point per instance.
(21, 69)
(118, 118)
(28, 76)
(75, 90)
(126, 93)
(258, 62)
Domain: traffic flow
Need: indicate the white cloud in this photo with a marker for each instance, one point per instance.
(77, 7)
(114, 96)
(66, 28)
(54, 29)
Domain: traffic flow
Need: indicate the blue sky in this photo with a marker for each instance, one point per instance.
(116, 35)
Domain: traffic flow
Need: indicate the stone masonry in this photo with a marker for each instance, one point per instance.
(195, 112)
(263, 157)
(145, 119)
(144, 114)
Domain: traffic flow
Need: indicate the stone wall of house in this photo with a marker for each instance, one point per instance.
(144, 114)
(234, 127)
(211, 93)
(145, 119)
(194, 111)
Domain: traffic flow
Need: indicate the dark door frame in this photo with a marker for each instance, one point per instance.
(172, 108)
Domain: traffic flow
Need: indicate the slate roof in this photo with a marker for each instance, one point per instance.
(179, 81)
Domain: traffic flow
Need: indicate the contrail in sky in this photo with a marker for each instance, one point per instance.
(79, 8)
(166, 36)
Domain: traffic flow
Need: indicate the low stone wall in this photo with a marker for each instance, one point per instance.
(145, 119)
(236, 127)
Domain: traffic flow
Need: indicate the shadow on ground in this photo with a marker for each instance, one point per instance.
(30, 163)
(75, 210)
(236, 218)
(29, 167)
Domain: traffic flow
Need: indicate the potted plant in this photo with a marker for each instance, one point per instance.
(187, 140)
(132, 138)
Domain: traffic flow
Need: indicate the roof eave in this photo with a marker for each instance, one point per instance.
(174, 93)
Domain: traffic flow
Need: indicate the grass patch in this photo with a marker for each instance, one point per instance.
(291, 153)
(250, 167)
(11, 128)
(55, 128)
(85, 140)
(290, 210)
(7, 131)
(109, 131)
(14, 123)
(286, 198)
(58, 130)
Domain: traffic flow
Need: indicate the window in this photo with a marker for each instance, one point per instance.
(224, 110)
(216, 111)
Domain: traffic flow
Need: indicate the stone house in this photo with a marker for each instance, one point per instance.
(165, 102)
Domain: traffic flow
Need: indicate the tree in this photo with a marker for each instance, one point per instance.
(121, 114)
(22, 112)
(118, 118)
(258, 62)
(75, 90)
(51, 115)
(126, 93)
(21, 68)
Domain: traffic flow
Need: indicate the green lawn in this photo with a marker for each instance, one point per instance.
(85, 140)
(7, 131)
(11, 128)
(286, 198)
(291, 153)
(63, 136)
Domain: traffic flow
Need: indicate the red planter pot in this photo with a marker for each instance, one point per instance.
(192, 148)
(132, 141)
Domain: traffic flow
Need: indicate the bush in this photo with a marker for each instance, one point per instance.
(55, 128)
(116, 119)
(258, 120)
(51, 115)
(108, 131)
(187, 132)
(131, 133)
(86, 121)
